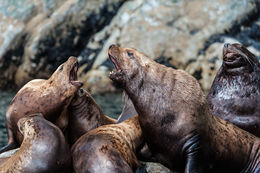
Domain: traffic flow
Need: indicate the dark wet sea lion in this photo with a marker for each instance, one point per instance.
(176, 120)
(109, 148)
(50, 97)
(43, 149)
(235, 92)
(85, 115)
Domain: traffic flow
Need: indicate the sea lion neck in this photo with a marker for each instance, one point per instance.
(85, 106)
(84, 115)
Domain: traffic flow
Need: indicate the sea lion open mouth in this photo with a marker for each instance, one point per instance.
(114, 60)
(73, 75)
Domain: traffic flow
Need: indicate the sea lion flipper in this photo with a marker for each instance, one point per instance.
(128, 109)
(11, 144)
(192, 151)
(8, 147)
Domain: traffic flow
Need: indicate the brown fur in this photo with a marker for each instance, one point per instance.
(176, 121)
(44, 148)
(108, 148)
(50, 97)
(235, 92)
(85, 115)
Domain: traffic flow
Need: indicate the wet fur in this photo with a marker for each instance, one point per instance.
(176, 121)
(235, 97)
(85, 115)
(108, 148)
(50, 97)
(44, 148)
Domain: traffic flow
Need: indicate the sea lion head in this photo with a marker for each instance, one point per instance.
(66, 75)
(238, 60)
(79, 97)
(128, 62)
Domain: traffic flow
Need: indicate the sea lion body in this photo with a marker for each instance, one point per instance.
(50, 97)
(235, 92)
(176, 121)
(108, 148)
(43, 149)
(85, 115)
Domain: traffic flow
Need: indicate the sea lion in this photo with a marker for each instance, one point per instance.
(43, 149)
(235, 91)
(85, 115)
(108, 148)
(176, 120)
(50, 97)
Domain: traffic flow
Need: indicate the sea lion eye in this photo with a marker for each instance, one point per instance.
(130, 54)
(81, 92)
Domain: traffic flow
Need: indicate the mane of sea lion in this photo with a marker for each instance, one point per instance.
(44, 148)
(176, 121)
(109, 148)
(235, 92)
(50, 97)
(85, 115)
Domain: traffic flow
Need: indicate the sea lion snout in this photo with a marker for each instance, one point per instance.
(114, 51)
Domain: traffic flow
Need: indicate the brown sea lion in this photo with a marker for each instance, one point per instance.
(176, 120)
(85, 115)
(235, 92)
(50, 97)
(43, 149)
(109, 148)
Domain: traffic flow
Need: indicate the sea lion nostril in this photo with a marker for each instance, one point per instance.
(112, 45)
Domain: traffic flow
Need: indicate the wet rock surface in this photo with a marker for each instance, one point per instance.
(181, 34)
(45, 34)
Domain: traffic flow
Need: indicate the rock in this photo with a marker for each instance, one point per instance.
(14, 17)
(178, 34)
(39, 36)
(156, 168)
(46, 34)
(96, 81)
